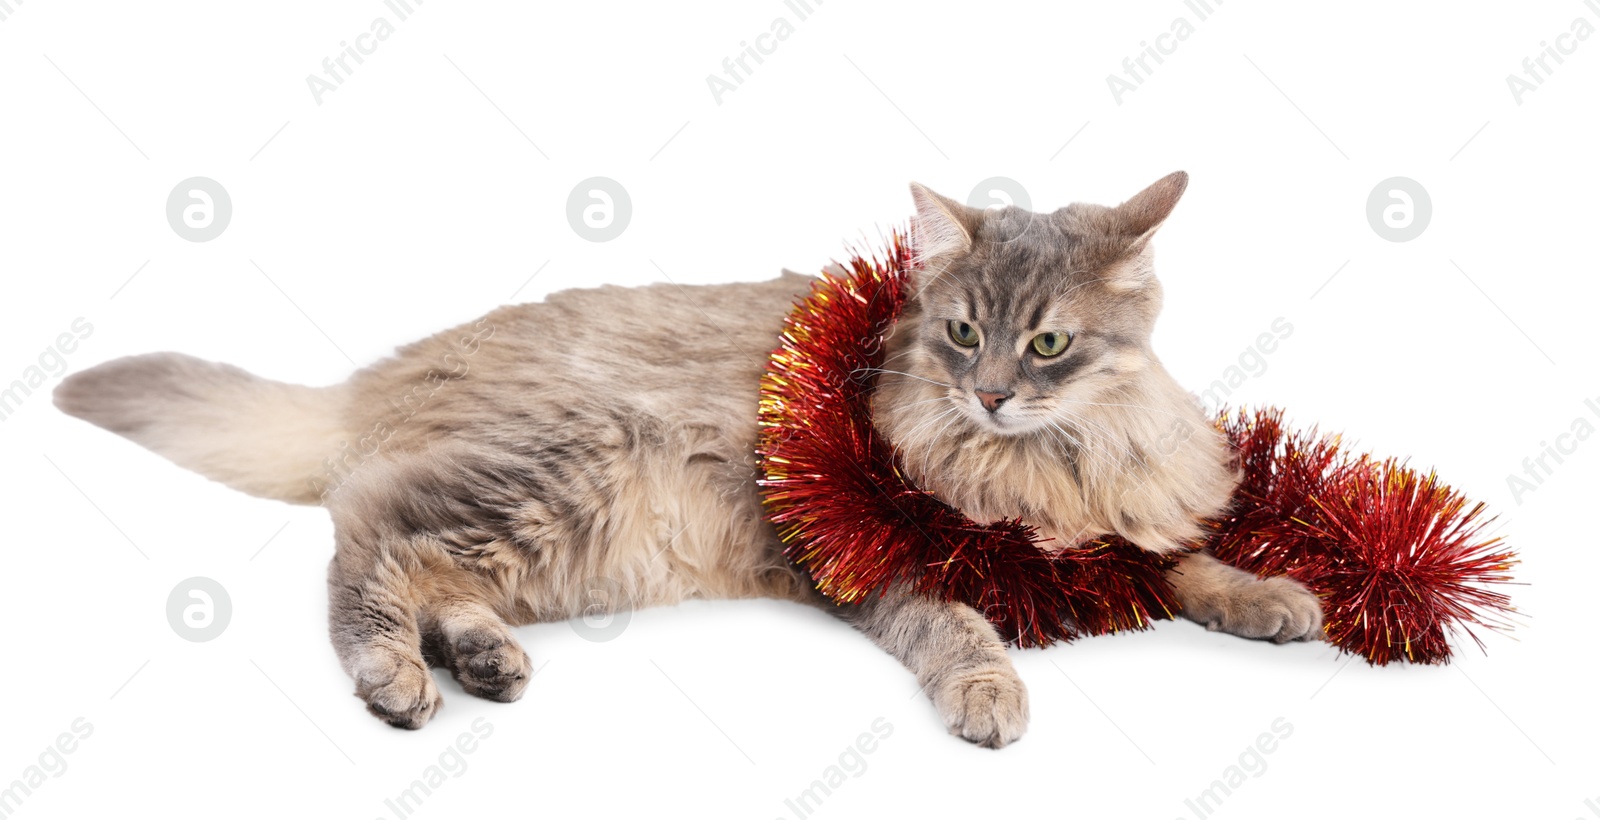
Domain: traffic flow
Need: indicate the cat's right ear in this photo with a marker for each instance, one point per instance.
(942, 227)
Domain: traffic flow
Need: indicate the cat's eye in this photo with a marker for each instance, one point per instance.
(962, 333)
(1051, 344)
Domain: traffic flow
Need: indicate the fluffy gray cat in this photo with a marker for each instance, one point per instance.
(494, 474)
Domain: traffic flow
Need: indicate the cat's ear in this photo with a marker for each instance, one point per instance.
(1133, 223)
(1139, 217)
(942, 227)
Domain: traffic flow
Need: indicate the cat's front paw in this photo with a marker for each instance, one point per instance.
(1280, 609)
(988, 706)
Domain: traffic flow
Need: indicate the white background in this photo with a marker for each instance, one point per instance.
(406, 202)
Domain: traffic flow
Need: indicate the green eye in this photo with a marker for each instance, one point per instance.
(964, 334)
(1051, 344)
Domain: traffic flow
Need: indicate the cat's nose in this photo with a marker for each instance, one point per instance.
(992, 400)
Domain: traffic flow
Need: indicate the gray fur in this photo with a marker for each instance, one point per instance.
(497, 473)
(958, 659)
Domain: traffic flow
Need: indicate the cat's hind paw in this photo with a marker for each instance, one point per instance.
(407, 699)
(489, 663)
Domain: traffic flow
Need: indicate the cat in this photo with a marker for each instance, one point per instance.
(499, 473)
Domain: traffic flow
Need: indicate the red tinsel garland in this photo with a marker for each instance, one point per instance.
(1396, 557)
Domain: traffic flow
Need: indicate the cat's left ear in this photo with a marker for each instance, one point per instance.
(1140, 216)
(1132, 224)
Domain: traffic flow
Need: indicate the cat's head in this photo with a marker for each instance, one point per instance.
(1018, 319)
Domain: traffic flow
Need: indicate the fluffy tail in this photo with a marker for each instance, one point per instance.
(264, 437)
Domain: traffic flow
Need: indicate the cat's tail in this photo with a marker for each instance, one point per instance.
(266, 438)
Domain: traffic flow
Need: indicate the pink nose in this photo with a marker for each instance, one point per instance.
(991, 400)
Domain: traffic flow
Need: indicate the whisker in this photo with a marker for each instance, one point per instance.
(912, 434)
(1088, 452)
(924, 401)
(1058, 434)
(1135, 406)
(1087, 426)
(1079, 447)
(911, 437)
(900, 373)
(1104, 431)
(1124, 449)
(939, 435)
